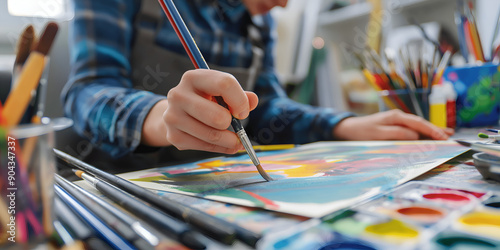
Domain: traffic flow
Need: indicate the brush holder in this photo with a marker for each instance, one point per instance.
(27, 169)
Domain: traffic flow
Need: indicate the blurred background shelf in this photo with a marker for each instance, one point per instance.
(344, 14)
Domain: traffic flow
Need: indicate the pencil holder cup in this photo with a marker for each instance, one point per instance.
(478, 94)
(27, 169)
(409, 101)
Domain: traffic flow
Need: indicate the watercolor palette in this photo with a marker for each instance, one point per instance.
(416, 215)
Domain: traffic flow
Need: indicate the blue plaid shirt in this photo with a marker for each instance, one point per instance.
(106, 109)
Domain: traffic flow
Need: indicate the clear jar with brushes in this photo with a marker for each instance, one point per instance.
(26, 182)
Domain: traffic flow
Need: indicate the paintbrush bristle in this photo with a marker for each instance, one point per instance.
(47, 38)
(464, 143)
(24, 45)
(263, 173)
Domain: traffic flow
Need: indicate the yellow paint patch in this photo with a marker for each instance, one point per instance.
(393, 230)
(482, 223)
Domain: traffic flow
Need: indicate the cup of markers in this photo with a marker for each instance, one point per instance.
(27, 170)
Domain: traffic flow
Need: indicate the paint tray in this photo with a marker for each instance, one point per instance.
(438, 195)
(488, 165)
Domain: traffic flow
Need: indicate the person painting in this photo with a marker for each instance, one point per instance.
(132, 85)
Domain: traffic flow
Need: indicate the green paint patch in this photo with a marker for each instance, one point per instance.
(465, 243)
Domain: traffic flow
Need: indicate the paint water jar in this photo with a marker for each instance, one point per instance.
(27, 168)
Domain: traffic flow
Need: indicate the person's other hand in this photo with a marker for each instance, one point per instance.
(389, 125)
(195, 121)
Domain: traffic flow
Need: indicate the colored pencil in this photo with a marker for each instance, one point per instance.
(107, 217)
(199, 62)
(100, 227)
(214, 227)
(153, 216)
(125, 220)
(28, 80)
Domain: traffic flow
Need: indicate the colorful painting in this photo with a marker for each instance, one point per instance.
(310, 180)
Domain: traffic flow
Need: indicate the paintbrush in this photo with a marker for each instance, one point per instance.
(179, 231)
(96, 203)
(28, 80)
(79, 228)
(485, 136)
(441, 67)
(199, 62)
(493, 149)
(214, 227)
(493, 130)
(24, 45)
(106, 216)
(103, 230)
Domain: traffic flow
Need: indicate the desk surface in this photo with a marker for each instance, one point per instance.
(458, 172)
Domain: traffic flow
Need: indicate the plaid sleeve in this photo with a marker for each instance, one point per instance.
(278, 119)
(99, 96)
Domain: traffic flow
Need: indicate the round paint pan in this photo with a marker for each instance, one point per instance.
(393, 232)
(487, 165)
(481, 222)
(422, 214)
(492, 202)
(347, 245)
(462, 241)
(449, 197)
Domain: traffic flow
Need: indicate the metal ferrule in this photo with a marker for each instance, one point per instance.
(248, 146)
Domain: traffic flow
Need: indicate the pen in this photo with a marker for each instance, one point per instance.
(199, 62)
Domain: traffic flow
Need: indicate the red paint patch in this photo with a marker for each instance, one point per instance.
(446, 196)
(419, 211)
(422, 214)
(269, 203)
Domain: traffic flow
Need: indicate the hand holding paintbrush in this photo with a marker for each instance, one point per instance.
(199, 62)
